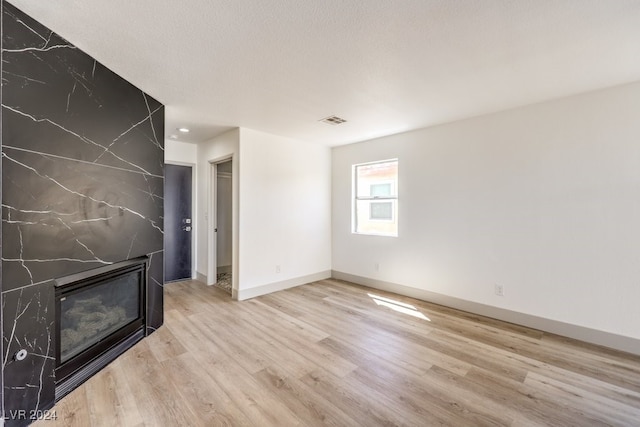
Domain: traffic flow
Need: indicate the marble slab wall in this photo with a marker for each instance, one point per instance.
(82, 187)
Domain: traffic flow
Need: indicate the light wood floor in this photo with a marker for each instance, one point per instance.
(327, 353)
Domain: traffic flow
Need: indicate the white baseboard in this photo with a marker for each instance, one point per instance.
(201, 277)
(594, 336)
(243, 294)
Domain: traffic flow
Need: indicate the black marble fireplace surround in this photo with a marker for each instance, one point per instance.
(100, 314)
(82, 188)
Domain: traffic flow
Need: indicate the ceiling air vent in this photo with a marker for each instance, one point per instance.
(333, 120)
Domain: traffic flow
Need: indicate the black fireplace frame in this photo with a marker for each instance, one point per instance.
(81, 367)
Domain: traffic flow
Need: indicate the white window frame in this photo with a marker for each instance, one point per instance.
(393, 198)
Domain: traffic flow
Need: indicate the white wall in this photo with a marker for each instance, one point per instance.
(282, 210)
(177, 152)
(220, 147)
(285, 212)
(543, 200)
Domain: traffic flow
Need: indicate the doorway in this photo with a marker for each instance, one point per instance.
(177, 222)
(223, 229)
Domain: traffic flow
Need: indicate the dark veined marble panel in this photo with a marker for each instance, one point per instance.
(29, 321)
(58, 100)
(62, 216)
(82, 187)
(155, 291)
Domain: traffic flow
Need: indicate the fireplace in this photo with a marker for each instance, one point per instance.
(99, 314)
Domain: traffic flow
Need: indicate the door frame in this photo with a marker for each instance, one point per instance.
(212, 218)
(194, 224)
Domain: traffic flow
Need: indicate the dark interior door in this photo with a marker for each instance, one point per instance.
(177, 222)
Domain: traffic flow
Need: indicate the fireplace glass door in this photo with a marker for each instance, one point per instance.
(99, 314)
(93, 313)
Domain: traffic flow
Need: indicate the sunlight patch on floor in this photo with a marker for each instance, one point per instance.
(398, 306)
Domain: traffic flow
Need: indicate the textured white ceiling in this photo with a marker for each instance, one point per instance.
(386, 66)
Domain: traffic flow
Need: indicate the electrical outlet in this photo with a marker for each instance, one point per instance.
(376, 266)
(277, 269)
(499, 290)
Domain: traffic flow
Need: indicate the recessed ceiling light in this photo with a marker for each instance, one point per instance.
(173, 136)
(184, 130)
(333, 120)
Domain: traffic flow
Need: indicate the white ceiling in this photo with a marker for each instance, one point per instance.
(386, 66)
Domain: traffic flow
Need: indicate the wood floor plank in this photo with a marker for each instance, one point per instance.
(237, 350)
(124, 400)
(202, 394)
(146, 377)
(302, 400)
(110, 400)
(342, 394)
(326, 353)
(297, 326)
(458, 348)
(71, 412)
(184, 330)
(166, 345)
(256, 402)
(476, 408)
(600, 408)
(525, 408)
(252, 335)
(359, 333)
(302, 343)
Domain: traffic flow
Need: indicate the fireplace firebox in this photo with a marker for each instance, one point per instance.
(99, 315)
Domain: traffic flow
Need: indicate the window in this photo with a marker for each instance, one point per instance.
(376, 198)
(381, 211)
(380, 189)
